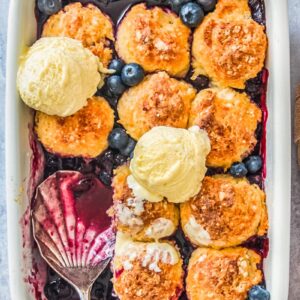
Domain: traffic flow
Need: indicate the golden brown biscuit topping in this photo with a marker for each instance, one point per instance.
(83, 134)
(158, 100)
(155, 39)
(86, 24)
(229, 46)
(230, 119)
(141, 281)
(146, 284)
(222, 274)
(229, 209)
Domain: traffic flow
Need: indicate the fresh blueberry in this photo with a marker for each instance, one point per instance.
(105, 177)
(253, 164)
(191, 14)
(118, 138)
(127, 151)
(115, 85)
(49, 7)
(258, 293)
(117, 65)
(132, 74)
(207, 5)
(238, 170)
(176, 4)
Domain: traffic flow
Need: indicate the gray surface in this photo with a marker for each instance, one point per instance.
(294, 9)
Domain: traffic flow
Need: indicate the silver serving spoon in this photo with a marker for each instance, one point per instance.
(78, 251)
(82, 279)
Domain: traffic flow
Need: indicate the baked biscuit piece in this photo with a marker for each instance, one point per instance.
(157, 101)
(142, 220)
(226, 212)
(149, 271)
(222, 274)
(86, 24)
(230, 119)
(83, 134)
(154, 38)
(229, 46)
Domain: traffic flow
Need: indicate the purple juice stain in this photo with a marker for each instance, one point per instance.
(58, 289)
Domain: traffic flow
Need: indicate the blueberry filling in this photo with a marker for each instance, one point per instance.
(258, 11)
(59, 289)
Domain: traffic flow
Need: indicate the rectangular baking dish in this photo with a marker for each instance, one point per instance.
(22, 33)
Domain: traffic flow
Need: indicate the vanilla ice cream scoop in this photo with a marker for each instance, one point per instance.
(169, 162)
(57, 75)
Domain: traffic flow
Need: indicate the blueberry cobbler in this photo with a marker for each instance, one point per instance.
(151, 117)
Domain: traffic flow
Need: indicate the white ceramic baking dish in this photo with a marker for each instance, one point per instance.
(22, 32)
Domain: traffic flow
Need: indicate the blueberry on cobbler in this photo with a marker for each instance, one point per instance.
(132, 74)
(253, 164)
(118, 139)
(49, 7)
(117, 64)
(238, 170)
(191, 14)
(128, 150)
(207, 5)
(258, 293)
(115, 85)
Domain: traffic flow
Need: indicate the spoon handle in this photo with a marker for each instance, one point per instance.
(85, 294)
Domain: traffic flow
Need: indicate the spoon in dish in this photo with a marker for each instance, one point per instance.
(72, 230)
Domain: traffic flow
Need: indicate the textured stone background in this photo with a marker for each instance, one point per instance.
(294, 10)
